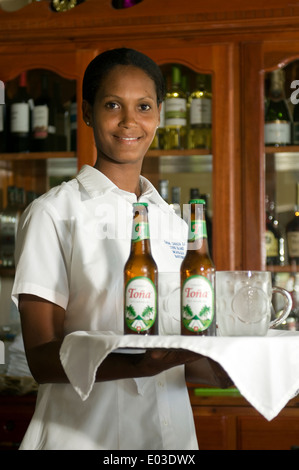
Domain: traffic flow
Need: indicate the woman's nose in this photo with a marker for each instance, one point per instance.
(128, 118)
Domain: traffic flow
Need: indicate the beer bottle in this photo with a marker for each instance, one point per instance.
(197, 277)
(140, 279)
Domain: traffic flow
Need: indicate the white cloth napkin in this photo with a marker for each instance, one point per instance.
(264, 369)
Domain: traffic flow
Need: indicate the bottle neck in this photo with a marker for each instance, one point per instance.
(140, 241)
(197, 234)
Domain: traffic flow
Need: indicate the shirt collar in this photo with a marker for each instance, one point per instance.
(97, 184)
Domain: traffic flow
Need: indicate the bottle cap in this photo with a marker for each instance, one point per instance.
(197, 201)
(140, 204)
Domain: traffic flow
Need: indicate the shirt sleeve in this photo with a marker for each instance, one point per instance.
(41, 255)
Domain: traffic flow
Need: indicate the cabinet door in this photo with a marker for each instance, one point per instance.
(222, 62)
(216, 432)
(256, 433)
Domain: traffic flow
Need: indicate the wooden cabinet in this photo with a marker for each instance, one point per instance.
(235, 43)
(230, 423)
(15, 415)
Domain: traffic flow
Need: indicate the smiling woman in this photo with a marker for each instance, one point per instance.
(69, 277)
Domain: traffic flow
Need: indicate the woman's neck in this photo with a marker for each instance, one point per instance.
(125, 177)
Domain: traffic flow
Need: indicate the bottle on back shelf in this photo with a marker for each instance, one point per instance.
(292, 233)
(158, 141)
(9, 219)
(3, 124)
(277, 114)
(200, 102)
(73, 124)
(176, 200)
(296, 124)
(197, 277)
(60, 116)
(140, 279)
(275, 246)
(43, 124)
(164, 189)
(20, 118)
(175, 136)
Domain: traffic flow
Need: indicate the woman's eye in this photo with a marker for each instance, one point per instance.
(111, 105)
(145, 107)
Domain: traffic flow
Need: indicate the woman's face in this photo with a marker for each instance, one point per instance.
(125, 115)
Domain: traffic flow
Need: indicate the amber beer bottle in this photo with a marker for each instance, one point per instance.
(197, 277)
(140, 279)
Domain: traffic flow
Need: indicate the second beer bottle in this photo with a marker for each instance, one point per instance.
(140, 279)
(197, 277)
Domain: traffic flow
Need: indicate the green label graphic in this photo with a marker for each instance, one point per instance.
(140, 304)
(197, 303)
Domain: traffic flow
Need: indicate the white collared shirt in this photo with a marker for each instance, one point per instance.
(72, 245)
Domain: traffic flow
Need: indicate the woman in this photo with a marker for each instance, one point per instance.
(71, 250)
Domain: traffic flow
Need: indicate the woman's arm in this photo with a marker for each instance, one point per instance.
(43, 334)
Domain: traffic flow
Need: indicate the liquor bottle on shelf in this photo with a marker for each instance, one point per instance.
(9, 219)
(296, 124)
(43, 124)
(20, 118)
(277, 114)
(158, 141)
(60, 117)
(73, 124)
(194, 193)
(200, 102)
(205, 197)
(274, 241)
(164, 189)
(176, 199)
(292, 233)
(3, 128)
(175, 114)
(197, 277)
(140, 279)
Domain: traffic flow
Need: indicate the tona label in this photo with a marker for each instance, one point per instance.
(197, 303)
(140, 304)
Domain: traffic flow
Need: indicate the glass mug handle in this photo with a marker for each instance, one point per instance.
(287, 308)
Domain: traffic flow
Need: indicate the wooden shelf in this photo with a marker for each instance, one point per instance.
(36, 155)
(184, 152)
(283, 269)
(282, 149)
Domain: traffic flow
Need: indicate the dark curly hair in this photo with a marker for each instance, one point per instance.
(101, 65)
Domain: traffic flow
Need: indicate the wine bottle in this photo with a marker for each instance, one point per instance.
(277, 115)
(175, 114)
(43, 125)
(296, 124)
(3, 128)
(200, 102)
(176, 199)
(20, 118)
(292, 233)
(158, 141)
(194, 193)
(9, 219)
(275, 252)
(164, 189)
(59, 120)
(73, 124)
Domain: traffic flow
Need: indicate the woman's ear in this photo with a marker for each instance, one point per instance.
(87, 112)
